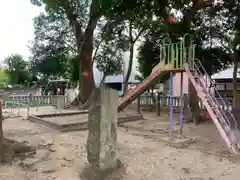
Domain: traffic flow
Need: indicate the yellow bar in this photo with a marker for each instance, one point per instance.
(176, 52)
(181, 54)
(168, 57)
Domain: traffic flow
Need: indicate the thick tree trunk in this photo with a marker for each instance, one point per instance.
(85, 49)
(194, 105)
(86, 68)
(236, 95)
(236, 103)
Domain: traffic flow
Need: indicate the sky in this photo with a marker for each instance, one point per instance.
(16, 27)
(16, 17)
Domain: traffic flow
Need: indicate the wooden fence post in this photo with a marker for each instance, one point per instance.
(158, 104)
(138, 104)
(29, 104)
(19, 105)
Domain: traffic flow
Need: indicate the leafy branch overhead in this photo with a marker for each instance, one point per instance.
(54, 41)
(109, 60)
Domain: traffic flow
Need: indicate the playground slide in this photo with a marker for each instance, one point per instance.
(158, 66)
(157, 72)
(224, 121)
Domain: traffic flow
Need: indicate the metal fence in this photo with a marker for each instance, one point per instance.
(29, 101)
(35, 100)
(60, 101)
(149, 100)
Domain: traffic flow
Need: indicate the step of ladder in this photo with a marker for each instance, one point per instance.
(208, 96)
(196, 76)
(216, 110)
(218, 115)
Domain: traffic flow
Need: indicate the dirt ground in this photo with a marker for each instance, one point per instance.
(62, 156)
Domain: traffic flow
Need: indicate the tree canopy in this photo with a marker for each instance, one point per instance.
(16, 68)
(84, 30)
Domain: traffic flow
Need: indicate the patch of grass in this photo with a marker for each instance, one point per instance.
(3, 77)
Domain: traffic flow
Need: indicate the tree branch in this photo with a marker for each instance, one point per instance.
(103, 79)
(96, 51)
(197, 5)
(130, 32)
(71, 48)
(138, 35)
(77, 31)
(188, 15)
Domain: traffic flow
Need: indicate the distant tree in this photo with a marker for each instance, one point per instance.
(51, 47)
(3, 77)
(16, 68)
(73, 69)
(148, 57)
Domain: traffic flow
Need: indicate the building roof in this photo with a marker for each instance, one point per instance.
(117, 79)
(225, 74)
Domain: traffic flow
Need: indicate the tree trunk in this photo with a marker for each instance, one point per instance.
(85, 49)
(1, 131)
(236, 95)
(103, 80)
(129, 70)
(132, 42)
(152, 94)
(235, 71)
(194, 104)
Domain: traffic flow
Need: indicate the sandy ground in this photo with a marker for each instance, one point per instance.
(62, 156)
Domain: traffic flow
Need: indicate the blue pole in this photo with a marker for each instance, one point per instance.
(171, 102)
(181, 102)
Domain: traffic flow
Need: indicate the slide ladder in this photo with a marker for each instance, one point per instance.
(144, 85)
(223, 119)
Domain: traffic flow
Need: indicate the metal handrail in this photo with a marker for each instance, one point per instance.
(222, 121)
(214, 99)
(197, 66)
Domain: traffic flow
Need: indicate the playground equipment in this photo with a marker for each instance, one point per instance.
(68, 93)
(19, 104)
(180, 57)
(55, 83)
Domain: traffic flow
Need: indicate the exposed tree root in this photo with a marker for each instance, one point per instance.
(93, 173)
(77, 103)
(15, 150)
